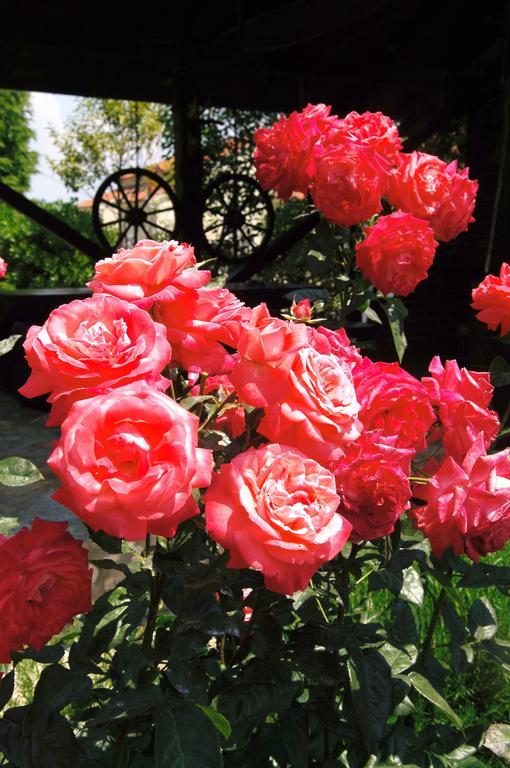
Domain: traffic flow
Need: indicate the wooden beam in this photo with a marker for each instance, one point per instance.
(47, 220)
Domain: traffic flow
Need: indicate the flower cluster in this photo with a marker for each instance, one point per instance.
(145, 377)
(348, 166)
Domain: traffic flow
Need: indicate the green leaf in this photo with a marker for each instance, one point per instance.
(214, 440)
(6, 688)
(189, 402)
(426, 689)
(185, 738)
(497, 740)
(109, 544)
(317, 255)
(16, 471)
(132, 702)
(482, 620)
(372, 315)
(50, 654)
(295, 735)
(7, 344)
(396, 313)
(57, 687)
(412, 589)
(250, 702)
(485, 575)
(220, 723)
(500, 372)
(370, 684)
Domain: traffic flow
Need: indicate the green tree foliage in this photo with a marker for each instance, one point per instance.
(36, 257)
(101, 136)
(17, 161)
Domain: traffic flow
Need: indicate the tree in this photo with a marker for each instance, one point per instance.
(17, 161)
(103, 135)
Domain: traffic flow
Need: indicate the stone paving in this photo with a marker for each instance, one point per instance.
(22, 433)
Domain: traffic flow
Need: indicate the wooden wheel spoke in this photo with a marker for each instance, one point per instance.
(123, 193)
(212, 227)
(145, 202)
(112, 205)
(111, 223)
(247, 238)
(158, 226)
(156, 212)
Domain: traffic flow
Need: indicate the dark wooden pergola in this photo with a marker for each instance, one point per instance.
(426, 63)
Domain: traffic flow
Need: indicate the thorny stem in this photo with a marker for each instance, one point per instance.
(438, 604)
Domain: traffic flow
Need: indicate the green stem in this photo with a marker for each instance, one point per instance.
(438, 604)
(214, 413)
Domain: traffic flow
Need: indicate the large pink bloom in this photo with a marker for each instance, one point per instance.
(373, 485)
(283, 152)
(267, 347)
(45, 582)
(149, 271)
(335, 342)
(462, 398)
(90, 346)
(275, 511)
(467, 506)
(396, 253)
(318, 411)
(372, 131)
(394, 403)
(128, 462)
(199, 324)
(492, 300)
(431, 189)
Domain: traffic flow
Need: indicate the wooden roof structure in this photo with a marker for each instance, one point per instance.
(419, 60)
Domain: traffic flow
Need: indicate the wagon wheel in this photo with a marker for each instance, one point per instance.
(237, 217)
(134, 204)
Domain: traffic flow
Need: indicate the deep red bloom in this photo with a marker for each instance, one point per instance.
(492, 300)
(373, 485)
(397, 252)
(372, 131)
(45, 582)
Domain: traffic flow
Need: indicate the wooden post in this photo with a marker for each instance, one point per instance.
(188, 162)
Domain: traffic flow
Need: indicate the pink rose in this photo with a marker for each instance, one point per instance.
(462, 398)
(431, 189)
(275, 511)
(372, 131)
(347, 186)
(128, 462)
(302, 310)
(198, 325)
(283, 152)
(149, 271)
(492, 300)
(90, 346)
(318, 411)
(373, 485)
(267, 347)
(3, 267)
(337, 343)
(396, 253)
(46, 581)
(467, 505)
(394, 403)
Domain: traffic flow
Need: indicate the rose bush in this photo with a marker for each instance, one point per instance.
(295, 526)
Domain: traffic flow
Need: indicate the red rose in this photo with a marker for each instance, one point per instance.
(275, 511)
(149, 271)
(317, 413)
(394, 403)
(467, 505)
(90, 346)
(433, 190)
(373, 485)
(347, 186)
(267, 347)
(128, 462)
(396, 253)
(302, 310)
(462, 398)
(492, 300)
(372, 131)
(198, 324)
(282, 153)
(45, 582)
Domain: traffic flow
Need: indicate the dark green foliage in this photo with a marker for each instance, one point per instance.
(17, 161)
(36, 258)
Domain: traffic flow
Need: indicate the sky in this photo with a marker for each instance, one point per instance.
(48, 109)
